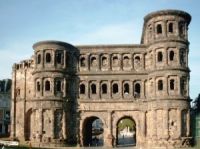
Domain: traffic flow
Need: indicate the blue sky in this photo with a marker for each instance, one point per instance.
(24, 22)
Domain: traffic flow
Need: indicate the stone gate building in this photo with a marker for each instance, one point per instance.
(62, 88)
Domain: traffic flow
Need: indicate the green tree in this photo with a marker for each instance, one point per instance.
(196, 106)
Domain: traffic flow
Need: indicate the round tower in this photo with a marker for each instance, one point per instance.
(166, 34)
(52, 105)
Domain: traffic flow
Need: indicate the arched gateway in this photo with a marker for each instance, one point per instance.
(92, 131)
(126, 132)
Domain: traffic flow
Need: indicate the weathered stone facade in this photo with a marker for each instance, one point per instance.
(62, 88)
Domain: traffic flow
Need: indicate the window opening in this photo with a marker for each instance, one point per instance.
(104, 89)
(93, 87)
(115, 88)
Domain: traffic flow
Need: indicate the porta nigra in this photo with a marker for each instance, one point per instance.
(63, 89)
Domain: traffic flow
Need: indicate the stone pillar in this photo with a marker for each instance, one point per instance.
(110, 89)
(165, 123)
(40, 123)
(154, 124)
(167, 88)
(179, 127)
(120, 87)
(143, 129)
(64, 125)
(120, 61)
(53, 58)
(43, 58)
(188, 123)
(155, 86)
(42, 86)
(143, 61)
(65, 59)
(165, 28)
(52, 123)
(109, 137)
(52, 86)
(98, 89)
(88, 62)
(64, 88)
(142, 89)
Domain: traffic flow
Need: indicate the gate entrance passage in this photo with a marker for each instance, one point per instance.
(126, 132)
(93, 132)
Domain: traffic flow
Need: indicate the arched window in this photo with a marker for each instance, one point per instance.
(83, 61)
(59, 57)
(137, 90)
(171, 55)
(170, 27)
(159, 29)
(93, 88)
(104, 88)
(38, 86)
(115, 60)
(47, 86)
(126, 61)
(82, 89)
(58, 85)
(160, 57)
(137, 58)
(48, 57)
(93, 61)
(160, 85)
(126, 88)
(104, 61)
(115, 88)
(172, 84)
(38, 59)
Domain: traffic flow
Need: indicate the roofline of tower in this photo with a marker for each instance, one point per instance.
(56, 42)
(168, 12)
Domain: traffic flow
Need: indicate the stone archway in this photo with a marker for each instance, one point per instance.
(27, 127)
(126, 132)
(92, 131)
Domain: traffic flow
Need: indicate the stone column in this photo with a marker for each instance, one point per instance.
(64, 125)
(143, 61)
(109, 137)
(40, 123)
(88, 61)
(120, 61)
(42, 86)
(52, 86)
(165, 123)
(179, 127)
(52, 123)
(155, 86)
(154, 124)
(142, 89)
(143, 129)
(98, 89)
(188, 123)
(64, 59)
(167, 88)
(110, 89)
(165, 28)
(43, 58)
(120, 87)
(64, 88)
